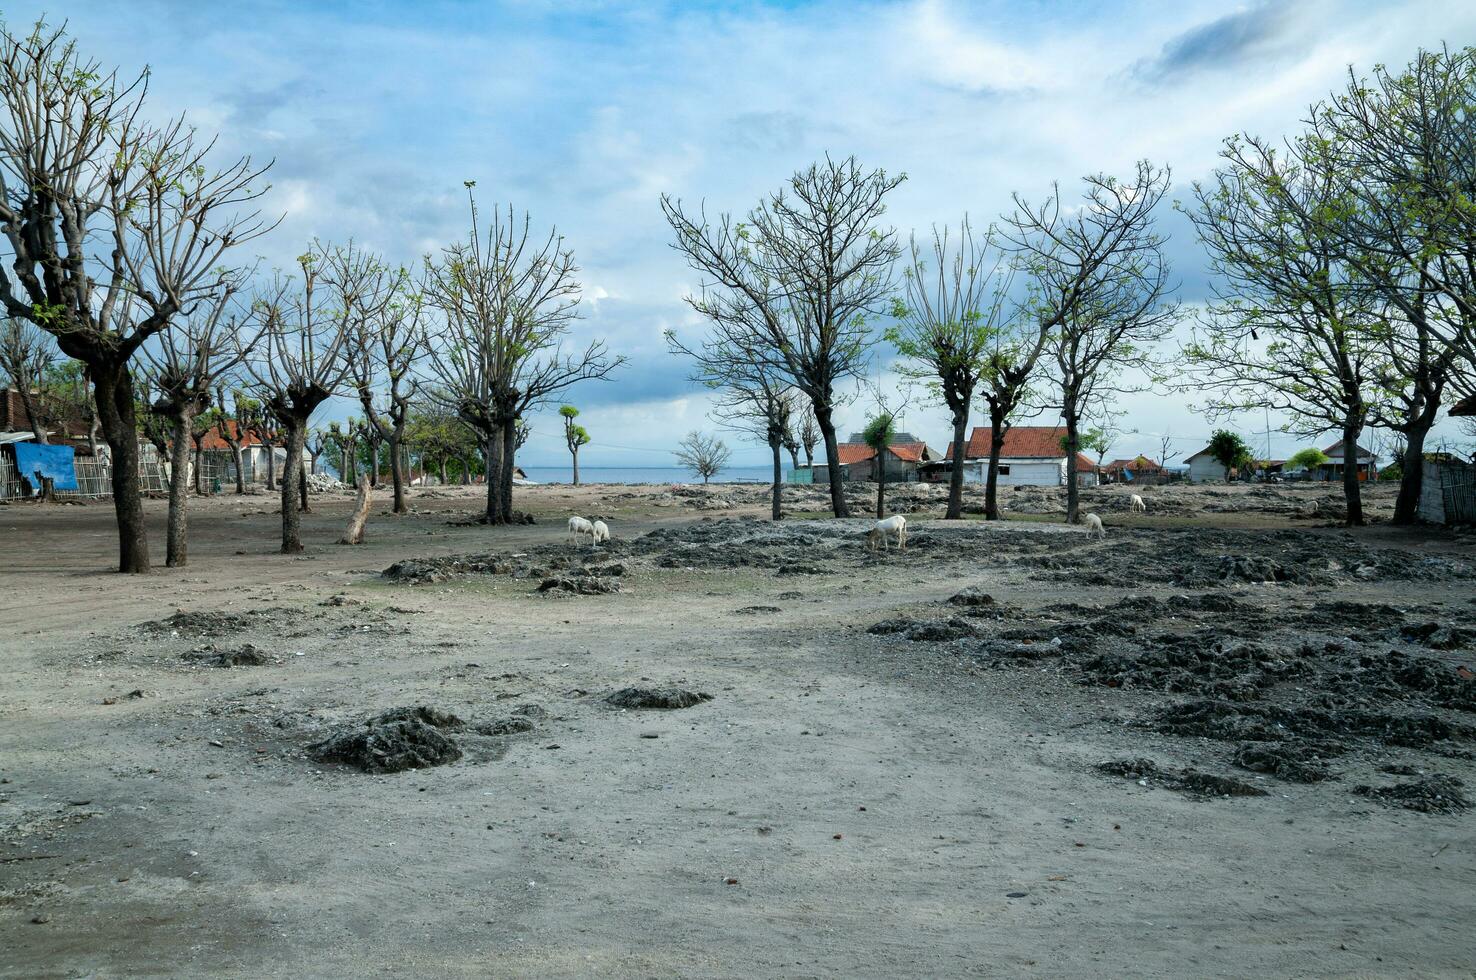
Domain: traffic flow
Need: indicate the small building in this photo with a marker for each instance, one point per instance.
(253, 456)
(858, 461)
(1204, 468)
(1139, 470)
(1030, 457)
(1332, 470)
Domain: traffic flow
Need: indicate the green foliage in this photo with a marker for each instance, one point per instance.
(1306, 459)
(1392, 472)
(880, 431)
(1229, 450)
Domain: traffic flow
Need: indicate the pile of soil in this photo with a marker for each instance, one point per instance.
(537, 563)
(1191, 781)
(1432, 794)
(208, 624)
(392, 741)
(582, 585)
(245, 656)
(656, 698)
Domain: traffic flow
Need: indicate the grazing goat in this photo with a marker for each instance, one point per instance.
(600, 532)
(894, 525)
(1094, 525)
(578, 527)
(1138, 505)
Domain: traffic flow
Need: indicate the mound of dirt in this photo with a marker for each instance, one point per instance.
(1191, 781)
(656, 698)
(1295, 762)
(206, 624)
(246, 656)
(924, 630)
(1431, 794)
(580, 585)
(392, 741)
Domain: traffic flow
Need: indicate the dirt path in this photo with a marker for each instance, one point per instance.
(884, 808)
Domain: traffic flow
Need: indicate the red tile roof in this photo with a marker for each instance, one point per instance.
(911, 452)
(1466, 406)
(214, 440)
(859, 452)
(1023, 442)
(853, 452)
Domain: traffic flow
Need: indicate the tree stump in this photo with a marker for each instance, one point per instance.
(354, 533)
(48, 490)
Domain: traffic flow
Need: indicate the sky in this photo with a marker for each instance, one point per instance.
(585, 112)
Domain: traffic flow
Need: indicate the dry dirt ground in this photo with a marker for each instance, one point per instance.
(1230, 739)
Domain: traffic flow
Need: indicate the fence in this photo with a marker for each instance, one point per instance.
(95, 477)
(1448, 494)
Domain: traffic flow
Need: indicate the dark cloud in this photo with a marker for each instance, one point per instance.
(1250, 34)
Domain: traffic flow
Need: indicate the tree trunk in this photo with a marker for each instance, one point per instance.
(199, 470)
(177, 546)
(956, 475)
(794, 456)
(466, 471)
(575, 454)
(302, 488)
(441, 470)
(509, 451)
(92, 430)
(997, 430)
(291, 474)
(1412, 473)
(113, 392)
(354, 533)
(397, 474)
(38, 431)
(271, 455)
(1352, 490)
(1073, 493)
(240, 467)
(775, 511)
(492, 456)
(832, 461)
(881, 484)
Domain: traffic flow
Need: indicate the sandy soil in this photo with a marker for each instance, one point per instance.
(923, 800)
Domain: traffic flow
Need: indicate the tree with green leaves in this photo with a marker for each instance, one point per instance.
(115, 225)
(880, 430)
(1306, 459)
(702, 454)
(1230, 451)
(1292, 327)
(796, 281)
(575, 436)
(950, 323)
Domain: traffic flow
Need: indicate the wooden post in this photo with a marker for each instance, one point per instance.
(354, 533)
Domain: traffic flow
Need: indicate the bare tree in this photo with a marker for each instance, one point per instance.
(809, 434)
(1165, 446)
(949, 327)
(1282, 274)
(387, 346)
(103, 212)
(304, 357)
(508, 300)
(182, 366)
(1098, 278)
(796, 279)
(753, 399)
(703, 455)
(25, 355)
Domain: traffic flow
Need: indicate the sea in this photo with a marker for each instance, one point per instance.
(648, 474)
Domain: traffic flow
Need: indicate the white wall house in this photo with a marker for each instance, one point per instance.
(1031, 457)
(1204, 468)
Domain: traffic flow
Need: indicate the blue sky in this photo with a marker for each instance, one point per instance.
(585, 112)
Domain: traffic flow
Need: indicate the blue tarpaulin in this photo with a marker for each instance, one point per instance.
(56, 462)
(1127, 475)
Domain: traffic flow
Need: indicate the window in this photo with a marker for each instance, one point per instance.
(1004, 469)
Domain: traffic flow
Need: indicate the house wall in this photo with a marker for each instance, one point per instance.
(1202, 469)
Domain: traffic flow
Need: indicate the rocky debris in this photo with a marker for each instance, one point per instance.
(428, 571)
(756, 610)
(207, 624)
(478, 520)
(656, 698)
(322, 483)
(1191, 781)
(561, 560)
(923, 630)
(1229, 721)
(392, 741)
(516, 725)
(972, 598)
(245, 656)
(581, 585)
(1436, 793)
(1293, 761)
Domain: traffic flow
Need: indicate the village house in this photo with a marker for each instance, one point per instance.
(253, 456)
(1204, 468)
(1333, 469)
(1031, 457)
(1139, 470)
(858, 461)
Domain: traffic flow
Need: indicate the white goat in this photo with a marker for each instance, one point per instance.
(1138, 505)
(600, 531)
(884, 530)
(578, 527)
(1094, 525)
